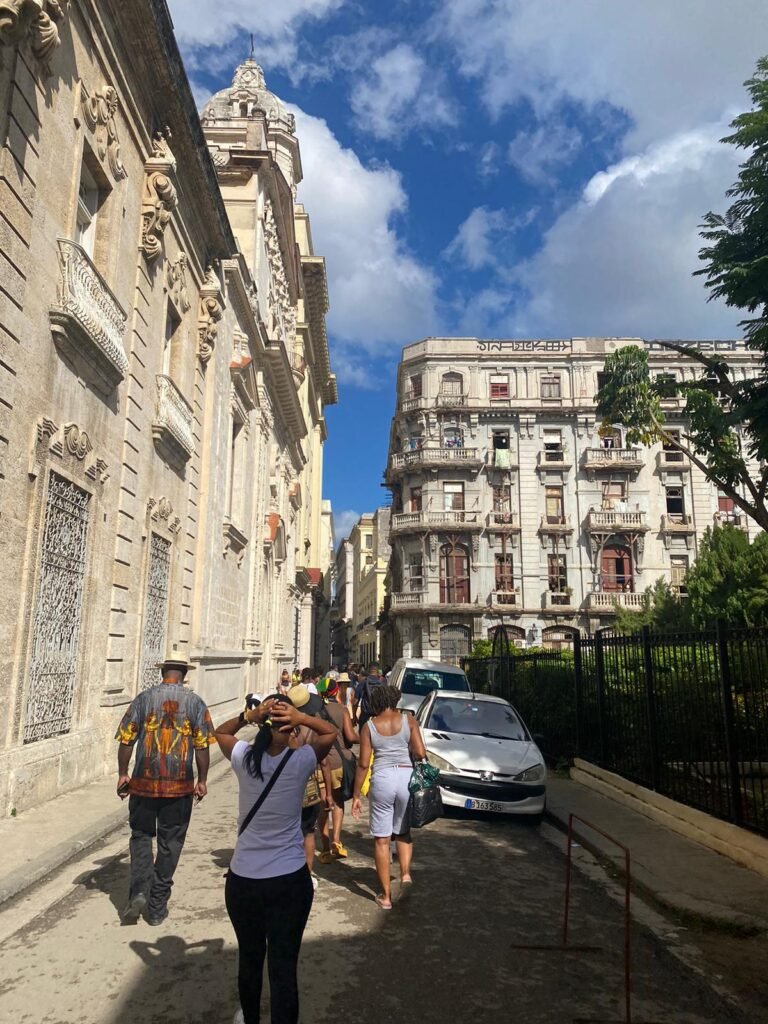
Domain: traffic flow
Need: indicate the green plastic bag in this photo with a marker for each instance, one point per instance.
(423, 776)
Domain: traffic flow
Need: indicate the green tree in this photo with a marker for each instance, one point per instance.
(729, 580)
(727, 418)
(661, 609)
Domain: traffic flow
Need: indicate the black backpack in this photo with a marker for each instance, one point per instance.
(365, 701)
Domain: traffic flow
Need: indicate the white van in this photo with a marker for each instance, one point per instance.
(416, 678)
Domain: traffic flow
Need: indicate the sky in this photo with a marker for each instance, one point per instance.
(492, 168)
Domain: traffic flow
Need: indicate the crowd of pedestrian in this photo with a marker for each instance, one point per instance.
(294, 779)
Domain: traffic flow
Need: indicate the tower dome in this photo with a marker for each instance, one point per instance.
(248, 94)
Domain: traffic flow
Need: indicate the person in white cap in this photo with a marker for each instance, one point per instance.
(169, 727)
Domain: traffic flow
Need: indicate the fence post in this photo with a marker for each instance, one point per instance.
(600, 686)
(729, 721)
(650, 703)
(577, 694)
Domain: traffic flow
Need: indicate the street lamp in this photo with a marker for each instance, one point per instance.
(533, 635)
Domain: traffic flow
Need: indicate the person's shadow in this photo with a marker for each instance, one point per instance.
(111, 878)
(154, 995)
(222, 858)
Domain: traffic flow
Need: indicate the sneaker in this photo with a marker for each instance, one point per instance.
(156, 919)
(134, 908)
(325, 857)
(315, 881)
(338, 850)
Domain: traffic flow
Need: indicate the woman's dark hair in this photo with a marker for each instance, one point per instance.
(383, 698)
(253, 756)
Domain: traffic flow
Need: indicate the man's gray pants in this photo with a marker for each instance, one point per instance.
(168, 819)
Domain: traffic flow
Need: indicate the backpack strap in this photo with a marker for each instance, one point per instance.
(265, 792)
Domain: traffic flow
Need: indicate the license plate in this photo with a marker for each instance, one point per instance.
(484, 805)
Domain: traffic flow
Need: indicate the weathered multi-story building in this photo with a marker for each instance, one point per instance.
(361, 569)
(511, 504)
(163, 373)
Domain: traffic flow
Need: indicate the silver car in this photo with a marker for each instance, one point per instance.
(488, 760)
(416, 678)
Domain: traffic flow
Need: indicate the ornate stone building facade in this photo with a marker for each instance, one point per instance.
(361, 569)
(511, 504)
(163, 373)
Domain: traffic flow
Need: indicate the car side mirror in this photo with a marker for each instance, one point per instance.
(538, 739)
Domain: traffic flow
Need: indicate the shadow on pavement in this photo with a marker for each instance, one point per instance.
(111, 877)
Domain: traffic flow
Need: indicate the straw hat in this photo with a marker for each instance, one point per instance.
(176, 659)
(343, 678)
(303, 699)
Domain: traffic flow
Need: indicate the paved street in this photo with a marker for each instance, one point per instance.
(444, 954)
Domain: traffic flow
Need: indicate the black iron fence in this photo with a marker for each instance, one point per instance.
(684, 714)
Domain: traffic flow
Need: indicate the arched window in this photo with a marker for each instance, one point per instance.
(452, 384)
(454, 574)
(515, 634)
(616, 569)
(558, 638)
(455, 643)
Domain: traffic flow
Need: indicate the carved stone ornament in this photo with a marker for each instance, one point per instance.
(282, 313)
(211, 312)
(68, 444)
(161, 512)
(99, 109)
(160, 198)
(33, 21)
(176, 279)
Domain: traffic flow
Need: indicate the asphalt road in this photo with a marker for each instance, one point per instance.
(443, 954)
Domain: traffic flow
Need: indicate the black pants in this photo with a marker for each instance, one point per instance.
(168, 818)
(269, 916)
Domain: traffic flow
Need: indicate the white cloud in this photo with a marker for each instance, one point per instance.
(343, 523)
(474, 242)
(380, 293)
(670, 65)
(400, 92)
(620, 261)
(219, 23)
(537, 155)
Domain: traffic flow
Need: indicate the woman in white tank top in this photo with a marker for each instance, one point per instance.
(394, 738)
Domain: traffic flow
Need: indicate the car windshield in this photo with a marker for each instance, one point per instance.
(422, 681)
(476, 718)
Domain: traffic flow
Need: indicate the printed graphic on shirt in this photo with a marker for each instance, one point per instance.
(166, 723)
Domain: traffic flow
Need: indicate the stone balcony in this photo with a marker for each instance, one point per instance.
(597, 460)
(559, 525)
(445, 400)
(554, 459)
(606, 602)
(410, 403)
(503, 522)
(172, 428)
(298, 366)
(408, 598)
(453, 520)
(88, 323)
(672, 461)
(504, 598)
(616, 522)
(680, 524)
(422, 458)
(558, 602)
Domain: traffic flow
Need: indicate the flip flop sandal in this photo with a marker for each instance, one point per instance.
(382, 905)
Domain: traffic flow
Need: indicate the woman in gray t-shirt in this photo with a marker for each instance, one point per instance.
(269, 890)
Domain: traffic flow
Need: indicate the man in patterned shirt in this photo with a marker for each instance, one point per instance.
(168, 726)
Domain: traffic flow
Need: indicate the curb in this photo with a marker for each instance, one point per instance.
(733, 924)
(51, 860)
(58, 856)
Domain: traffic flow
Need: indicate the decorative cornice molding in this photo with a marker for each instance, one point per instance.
(71, 446)
(160, 511)
(99, 109)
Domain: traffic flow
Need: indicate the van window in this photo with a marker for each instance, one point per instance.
(421, 681)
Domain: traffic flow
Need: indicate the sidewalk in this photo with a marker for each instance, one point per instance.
(693, 882)
(43, 839)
